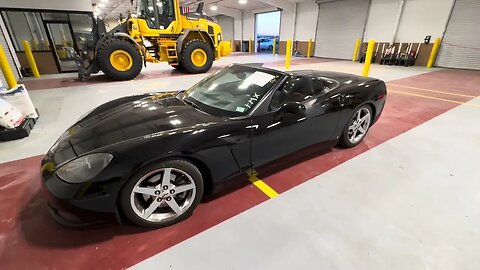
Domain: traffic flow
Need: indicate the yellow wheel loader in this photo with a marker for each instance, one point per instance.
(158, 33)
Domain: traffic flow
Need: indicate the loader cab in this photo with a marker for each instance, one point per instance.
(158, 14)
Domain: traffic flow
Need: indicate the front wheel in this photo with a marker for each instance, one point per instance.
(162, 194)
(270, 48)
(357, 127)
(119, 59)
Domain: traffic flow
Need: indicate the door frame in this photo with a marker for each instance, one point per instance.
(52, 43)
(255, 28)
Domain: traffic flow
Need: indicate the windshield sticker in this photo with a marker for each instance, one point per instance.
(240, 109)
(259, 78)
(252, 100)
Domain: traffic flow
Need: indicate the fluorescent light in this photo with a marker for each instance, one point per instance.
(104, 1)
(243, 2)
(101, 5)
(213, 8)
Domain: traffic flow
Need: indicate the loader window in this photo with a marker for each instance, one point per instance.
(158, 14)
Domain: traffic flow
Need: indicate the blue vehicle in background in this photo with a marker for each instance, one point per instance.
(265, 44)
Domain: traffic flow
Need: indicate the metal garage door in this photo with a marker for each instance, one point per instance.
(461, 43)
(227, 26)
(3, 42)
(339, 24)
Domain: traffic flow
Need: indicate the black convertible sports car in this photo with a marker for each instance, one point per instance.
(147, 158)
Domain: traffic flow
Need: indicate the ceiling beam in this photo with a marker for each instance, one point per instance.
(283, 4)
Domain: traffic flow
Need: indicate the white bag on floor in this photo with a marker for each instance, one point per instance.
(10, 117)
(19, 98)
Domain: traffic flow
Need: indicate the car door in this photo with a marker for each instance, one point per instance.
(304, 116)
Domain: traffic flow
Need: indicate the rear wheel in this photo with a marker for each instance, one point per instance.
(119, 59)
(197, 57)
(162, 194)
(357, 128)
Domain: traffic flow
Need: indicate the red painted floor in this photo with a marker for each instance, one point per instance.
(30, 239)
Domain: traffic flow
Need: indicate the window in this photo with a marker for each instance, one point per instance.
(54, 16)
(233, 91)
(26, 26)
(82, 25)
(159, 14)
(300, 89)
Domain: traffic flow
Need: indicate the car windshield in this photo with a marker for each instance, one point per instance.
(233, 91)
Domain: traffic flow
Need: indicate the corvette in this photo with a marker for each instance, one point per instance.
(147, 159)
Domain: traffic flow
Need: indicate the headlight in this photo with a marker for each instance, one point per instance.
(84, 168)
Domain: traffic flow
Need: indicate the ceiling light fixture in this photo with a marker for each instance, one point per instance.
(104, 1)
(101, 5)
(213, 8)
(243, 2)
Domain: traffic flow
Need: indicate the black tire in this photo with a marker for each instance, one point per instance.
(111, 45)
(270, 48)
(177, 66)
(344, 141)
(186, 59)
(180, 164)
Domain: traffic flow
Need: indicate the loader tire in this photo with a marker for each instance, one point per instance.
(197, 57)
(119, 59)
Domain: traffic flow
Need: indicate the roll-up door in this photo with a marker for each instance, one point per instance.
(226, 23)
(8, 53)
(461, 43)
(340, 23)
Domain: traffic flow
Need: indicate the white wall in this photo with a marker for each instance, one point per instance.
(419, 19)
(248, 25)
(307, 13)
(423, 17)
(287, 25)
(237, 26)
(227, 25)
(80, 5)
(381, 20)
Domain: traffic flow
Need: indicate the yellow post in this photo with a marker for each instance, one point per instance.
(368, 58)
(288, 54)
(274, 46)
(7, 71)
(433, 53)
(355, 52)
(30, 59)
(309, 48)
(250, 46)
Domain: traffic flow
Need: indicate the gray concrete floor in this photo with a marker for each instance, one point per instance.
(410, 203)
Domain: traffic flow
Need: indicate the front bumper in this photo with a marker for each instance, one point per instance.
(78, 205)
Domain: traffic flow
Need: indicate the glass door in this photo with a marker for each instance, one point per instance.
(62, 46)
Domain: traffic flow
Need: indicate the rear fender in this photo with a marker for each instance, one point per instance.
(194, 34)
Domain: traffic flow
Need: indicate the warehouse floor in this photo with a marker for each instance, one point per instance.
(404, 199)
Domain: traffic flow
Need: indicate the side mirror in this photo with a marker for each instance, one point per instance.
(294, 108)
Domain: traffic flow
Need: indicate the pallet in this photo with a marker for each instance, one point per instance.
(19, 132)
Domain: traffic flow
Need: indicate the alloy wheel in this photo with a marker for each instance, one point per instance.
(163, 195)
(359, 125)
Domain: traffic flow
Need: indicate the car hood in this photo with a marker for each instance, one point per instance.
(132, 119)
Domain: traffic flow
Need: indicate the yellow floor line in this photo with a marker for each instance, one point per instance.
(433, 91)
(261, 185)
(435, 98)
